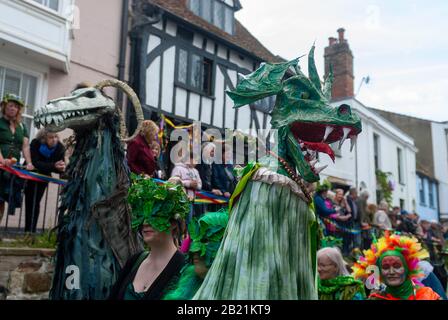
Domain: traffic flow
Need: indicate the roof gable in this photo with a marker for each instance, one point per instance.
(241, 38)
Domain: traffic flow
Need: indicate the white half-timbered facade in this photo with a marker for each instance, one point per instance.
(188, 58)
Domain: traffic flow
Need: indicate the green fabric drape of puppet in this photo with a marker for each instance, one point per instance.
(269, 247)
(341, 288)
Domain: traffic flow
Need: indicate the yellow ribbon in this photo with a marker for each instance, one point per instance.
(171, 124)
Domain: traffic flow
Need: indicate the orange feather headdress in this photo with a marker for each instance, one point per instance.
(410, 248)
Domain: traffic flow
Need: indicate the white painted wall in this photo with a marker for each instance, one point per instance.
(240, 60)
(219, 101)
(207, 105)
(195, 101)
(153, 83)
(169, 59)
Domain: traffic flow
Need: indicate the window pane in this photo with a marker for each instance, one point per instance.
(54, 4)
(28, 93)
(421, 190)
(206, 10)
(183, 66)
(12, 82)
(218, 15)
(195, 79)
(376, 151)
(229, 21)
(400, 165)
(207, 80)
(194, 6)
(431, 194)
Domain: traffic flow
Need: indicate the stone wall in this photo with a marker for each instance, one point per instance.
(26, 273)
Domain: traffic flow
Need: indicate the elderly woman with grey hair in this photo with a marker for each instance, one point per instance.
(380, 218)
(335, 282)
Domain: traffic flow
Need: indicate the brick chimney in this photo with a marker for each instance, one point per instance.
(340, 57)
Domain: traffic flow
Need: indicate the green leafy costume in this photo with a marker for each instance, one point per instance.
(156, 205)
(269, 248)
(206, 234)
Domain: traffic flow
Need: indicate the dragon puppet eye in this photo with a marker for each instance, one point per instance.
(344, 110)
(304, 95)
(90, 94)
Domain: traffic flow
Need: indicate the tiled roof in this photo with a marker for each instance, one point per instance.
(242, 37)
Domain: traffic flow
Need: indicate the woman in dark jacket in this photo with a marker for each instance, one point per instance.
(207, 171)
(47, 155)
(223, 177)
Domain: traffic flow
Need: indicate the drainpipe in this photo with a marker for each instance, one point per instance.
(143, 15)
(123, 47)
(356, 167)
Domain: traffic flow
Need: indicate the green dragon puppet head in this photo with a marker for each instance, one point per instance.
(84, 108)
(306, 121)
(156, 205)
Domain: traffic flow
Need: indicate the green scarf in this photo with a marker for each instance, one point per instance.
(406, 289)
(340, 288)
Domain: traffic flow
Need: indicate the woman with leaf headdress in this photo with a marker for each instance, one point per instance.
(157, 213)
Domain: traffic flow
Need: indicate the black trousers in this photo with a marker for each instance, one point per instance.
(34, 191)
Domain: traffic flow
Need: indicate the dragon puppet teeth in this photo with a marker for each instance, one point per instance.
(328, 131)
(344, 137)
(353, 140)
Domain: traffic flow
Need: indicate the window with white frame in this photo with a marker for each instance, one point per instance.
(194, 72)
(400, 165)
(431, 194)
(216, 12)
(52, 4)
(421, 190)
(23, 85)
(376, 151)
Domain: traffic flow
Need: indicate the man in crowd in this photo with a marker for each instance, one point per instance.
(364, 218)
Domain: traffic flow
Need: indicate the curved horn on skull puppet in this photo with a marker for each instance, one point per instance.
(135, 102)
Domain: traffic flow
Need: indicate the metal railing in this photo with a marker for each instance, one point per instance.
(14, 221)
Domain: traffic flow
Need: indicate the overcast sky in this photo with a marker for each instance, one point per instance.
(401, 44)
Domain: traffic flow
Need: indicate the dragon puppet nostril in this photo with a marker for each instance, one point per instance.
(344, 110)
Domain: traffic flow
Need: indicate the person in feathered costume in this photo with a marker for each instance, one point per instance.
(394, 260)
